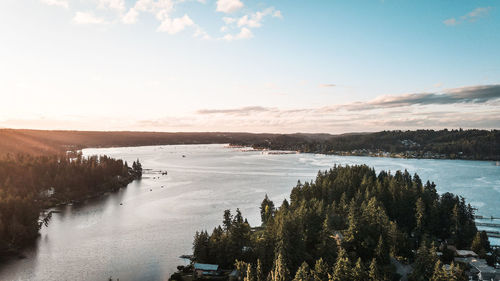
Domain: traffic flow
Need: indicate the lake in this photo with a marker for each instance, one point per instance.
(139, 232)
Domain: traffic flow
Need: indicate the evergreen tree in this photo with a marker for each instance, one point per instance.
(304, 273)
(440, 274)
(374, 273)
(358, 272)
(259, 274)
(266, 210)
(250, 274)
(342, 269)
(280, 271)
(321, 270)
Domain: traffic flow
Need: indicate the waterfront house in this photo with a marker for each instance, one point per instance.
(203, 270)
(479, 269)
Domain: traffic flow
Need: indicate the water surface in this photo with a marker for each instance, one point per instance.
(142, 238)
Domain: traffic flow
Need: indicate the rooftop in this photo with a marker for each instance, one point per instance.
(206, 267)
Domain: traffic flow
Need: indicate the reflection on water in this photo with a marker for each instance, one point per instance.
(139, 232)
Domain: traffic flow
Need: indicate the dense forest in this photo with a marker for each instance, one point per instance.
(449, 144)
(40, 142)
(29, 184)
(349, 224)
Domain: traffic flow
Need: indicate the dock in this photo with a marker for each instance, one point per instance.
(488, 224)
(494, 234)
(486, 218)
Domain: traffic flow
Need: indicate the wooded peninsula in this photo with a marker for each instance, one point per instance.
(348, 224)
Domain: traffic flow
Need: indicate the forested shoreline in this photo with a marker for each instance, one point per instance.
(348, 224)
(442, 144)
(30, 184)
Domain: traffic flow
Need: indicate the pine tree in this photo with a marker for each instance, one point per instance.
(342, 269)
(440, 273)
(304, 273)
(419, 215)
(358, 272)
(374, 273)
(250, 273)
(381, 252)
(259, 274)
(280, 271)
(321, 270)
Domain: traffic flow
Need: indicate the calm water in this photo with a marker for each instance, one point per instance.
(142, 239)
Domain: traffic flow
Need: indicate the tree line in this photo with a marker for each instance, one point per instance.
(452, 144)
(348, 224)
(29, 184)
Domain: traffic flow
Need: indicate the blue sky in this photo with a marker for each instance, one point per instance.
(247, 65)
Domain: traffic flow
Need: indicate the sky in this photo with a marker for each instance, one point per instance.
(279, 66)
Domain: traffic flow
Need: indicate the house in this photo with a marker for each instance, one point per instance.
(479, 269)
(202, 270)
(465, 253)
(337, 235)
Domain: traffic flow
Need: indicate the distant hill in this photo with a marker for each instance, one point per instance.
(450, 144)
(39, 142)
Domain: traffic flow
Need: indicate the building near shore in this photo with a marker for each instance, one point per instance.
(202, 270)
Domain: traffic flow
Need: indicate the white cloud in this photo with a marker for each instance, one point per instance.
(277, 14)
(244, 33)
(477, 13)
(87, 18)
(229, 6)
(60, 3)
(172, 26)
(117, 5)
(130, 17)
(471, 16)
(246, 22)
(255, 20)
(200, 33)
(228, 20)
(450, 22)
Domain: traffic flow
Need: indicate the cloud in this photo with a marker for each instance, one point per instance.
(450, 22)
(471, 16)
(246, 22)
(277, 14)
(229, 6)
(244, 33)
(130, 17)
(236, 111)
(254, 20)
(60, 3)
(229, 20)
(87, 18)
(162, 10)
(117, 5)
(327, 85)
(472, 94)
(172, 26)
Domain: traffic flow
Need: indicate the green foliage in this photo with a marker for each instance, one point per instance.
(480, 244)
(342, 269)
(280, 271)
(304, 273)
(348, 222)
(452, 144)
(28, 184)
